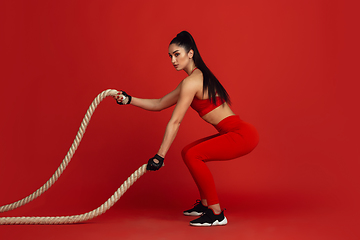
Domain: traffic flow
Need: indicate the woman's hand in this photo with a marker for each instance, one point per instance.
(155, 163)
(122, 98)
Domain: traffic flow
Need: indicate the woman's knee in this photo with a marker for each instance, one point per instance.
(190, 155)
(184, 151)
(185, 155)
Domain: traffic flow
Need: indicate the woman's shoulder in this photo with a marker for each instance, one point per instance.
(192, 82)
(195, 78)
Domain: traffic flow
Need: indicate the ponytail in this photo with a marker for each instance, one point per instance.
(210, 83)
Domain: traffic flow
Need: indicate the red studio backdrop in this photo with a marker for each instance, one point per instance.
(286, 64)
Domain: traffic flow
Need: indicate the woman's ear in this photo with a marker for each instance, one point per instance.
(191, 53)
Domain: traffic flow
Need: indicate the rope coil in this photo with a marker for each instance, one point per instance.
(75, 218)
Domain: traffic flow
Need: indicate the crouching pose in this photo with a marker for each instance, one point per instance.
(203, 92)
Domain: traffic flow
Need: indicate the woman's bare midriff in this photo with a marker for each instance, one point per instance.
(218, 114)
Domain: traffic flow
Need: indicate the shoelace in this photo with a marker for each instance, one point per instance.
(197, 202)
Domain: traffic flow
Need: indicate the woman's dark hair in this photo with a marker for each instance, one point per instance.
(210, 82)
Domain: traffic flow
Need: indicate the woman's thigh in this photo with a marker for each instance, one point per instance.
(224, 146)
(220, 147)
(191, 145)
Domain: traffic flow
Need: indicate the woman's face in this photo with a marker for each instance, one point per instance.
(179, 57)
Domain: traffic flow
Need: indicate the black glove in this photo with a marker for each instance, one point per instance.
(153, 166)
(124, 99)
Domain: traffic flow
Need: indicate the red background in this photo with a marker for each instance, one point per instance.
(289, 66)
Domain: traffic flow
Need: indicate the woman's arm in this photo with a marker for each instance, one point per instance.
(157, 104)
(188, 89)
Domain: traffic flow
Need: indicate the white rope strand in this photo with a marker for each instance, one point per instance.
(76, 218)
(82, 217)
(69, 155)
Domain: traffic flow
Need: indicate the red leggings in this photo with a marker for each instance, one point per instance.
(235, 139)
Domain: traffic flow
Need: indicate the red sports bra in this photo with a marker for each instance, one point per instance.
(204, 106)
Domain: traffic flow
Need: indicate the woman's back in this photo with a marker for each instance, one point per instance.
(218, 111)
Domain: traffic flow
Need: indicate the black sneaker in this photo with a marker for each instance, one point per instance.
(210, 219)
(197, 210)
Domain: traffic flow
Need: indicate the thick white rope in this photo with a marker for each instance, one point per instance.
(76, 218)
(82, 217)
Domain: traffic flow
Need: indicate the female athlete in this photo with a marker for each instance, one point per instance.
(202, 91)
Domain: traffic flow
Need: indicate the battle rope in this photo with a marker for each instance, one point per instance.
(75, 218)
(82, 217)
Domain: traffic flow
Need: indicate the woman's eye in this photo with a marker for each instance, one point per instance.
(177, 54)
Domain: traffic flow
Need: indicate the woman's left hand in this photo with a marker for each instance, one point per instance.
(155, 163)
(122, 98)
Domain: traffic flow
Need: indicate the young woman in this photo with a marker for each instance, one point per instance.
(203, 92)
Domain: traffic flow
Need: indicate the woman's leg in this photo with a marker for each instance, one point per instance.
(214, 148)
(183, 154)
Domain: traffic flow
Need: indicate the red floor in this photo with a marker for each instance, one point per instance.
(257, 217)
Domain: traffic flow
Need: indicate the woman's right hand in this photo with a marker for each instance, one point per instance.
(155, 163)
(122, 98)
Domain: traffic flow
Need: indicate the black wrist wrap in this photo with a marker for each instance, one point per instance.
(128, 100)
(153, 166)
